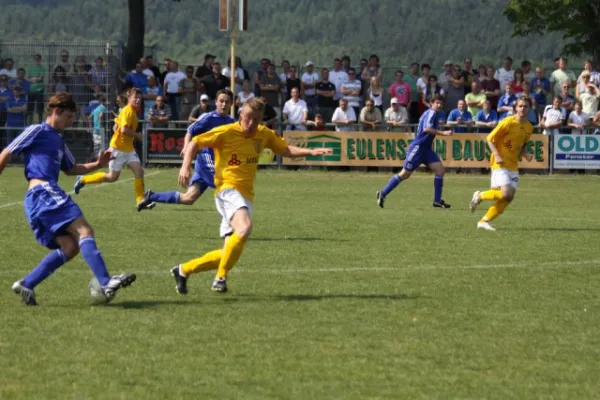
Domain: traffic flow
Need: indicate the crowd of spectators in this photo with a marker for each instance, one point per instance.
(343, 97)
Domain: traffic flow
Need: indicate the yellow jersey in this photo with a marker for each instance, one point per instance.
(509, 136)
(237, 154)
(127, 117)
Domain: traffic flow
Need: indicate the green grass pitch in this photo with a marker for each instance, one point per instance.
(333, 297)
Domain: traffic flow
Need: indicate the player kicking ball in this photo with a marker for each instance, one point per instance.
(237, 149)
(508, 142)
(56, 221)
(121, 147)
(420, 151)
(204, 168)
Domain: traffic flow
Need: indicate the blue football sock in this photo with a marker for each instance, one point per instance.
(391, 185)
(438, 185)
(165, 197)
(46, 267)
(94, 260)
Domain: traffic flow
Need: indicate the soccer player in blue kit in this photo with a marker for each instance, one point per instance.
(204, 169)
(419, 152)
(56, 221)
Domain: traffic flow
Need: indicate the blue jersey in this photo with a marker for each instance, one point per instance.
(16, 120)
(429, 119)
(205, 123)
(44, 151)
(465, 115)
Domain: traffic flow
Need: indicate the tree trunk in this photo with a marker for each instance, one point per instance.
(135, 39)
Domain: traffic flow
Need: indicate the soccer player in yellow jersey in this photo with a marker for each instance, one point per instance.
(123, 152)
(237, 148)
(508, 142)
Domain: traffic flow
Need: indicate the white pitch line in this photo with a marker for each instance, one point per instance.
(166, 271)
(89, 188)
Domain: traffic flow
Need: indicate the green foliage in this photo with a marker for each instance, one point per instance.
(577, 20)
(398, 31)
(333, 298)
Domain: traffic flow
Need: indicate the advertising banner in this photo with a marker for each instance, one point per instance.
(386, 149)
(576, 151)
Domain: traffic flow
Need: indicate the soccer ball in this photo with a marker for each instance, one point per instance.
(96, 292)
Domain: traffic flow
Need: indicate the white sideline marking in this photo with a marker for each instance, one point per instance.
(166, 271)
(89, 188)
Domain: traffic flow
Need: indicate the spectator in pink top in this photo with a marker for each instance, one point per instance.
(401, 90)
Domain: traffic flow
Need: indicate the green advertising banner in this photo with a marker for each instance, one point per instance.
(385, 149)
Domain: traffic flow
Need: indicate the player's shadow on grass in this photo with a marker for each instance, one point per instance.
(562, 229)
(139, 304)
(366, 296)
(297, 239)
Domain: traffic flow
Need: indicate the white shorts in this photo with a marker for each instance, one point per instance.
(228, 201)
(121, 158)
(503, 177)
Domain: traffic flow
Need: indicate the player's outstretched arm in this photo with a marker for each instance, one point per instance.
(189, 152)
(82, 169)
(293, 151)
(4, 159)
(437, 132)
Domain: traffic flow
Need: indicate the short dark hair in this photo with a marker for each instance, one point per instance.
(437, 97)
(324, 69)
(352, 70)
(425, 66)
(400, 72)
(227, 92)
(415, 63)
(508, 59)
(61, 101)
(525, 63)
(337, 59)
(21, 69)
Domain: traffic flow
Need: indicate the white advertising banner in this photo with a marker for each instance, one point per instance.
(576, 151)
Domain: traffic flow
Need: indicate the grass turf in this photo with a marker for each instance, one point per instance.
(332, 298)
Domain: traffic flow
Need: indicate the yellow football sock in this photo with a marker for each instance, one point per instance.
(91, 179)
(138, 186)
(495, 210)
(205, 263)
(492, 194)
(231, 254)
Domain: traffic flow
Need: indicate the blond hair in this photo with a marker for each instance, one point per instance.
(255, 105)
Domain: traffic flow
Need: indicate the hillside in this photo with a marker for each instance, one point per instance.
(398, 31)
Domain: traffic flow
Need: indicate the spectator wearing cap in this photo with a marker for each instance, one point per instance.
(160, 114)
(444, 77)
(396, 116)
(309, 83)
(295, 111)
(16, 108)
(200, 109)
(370, 116)
(205, 69)
(505, 74)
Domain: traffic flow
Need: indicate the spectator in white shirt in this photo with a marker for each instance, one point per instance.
(343, 117)
(396, 116)
(554, 117)
(171, 86)
(337, 76)
(239, 75)
(295, 112)
(309, 82)
(505, 74)
(594, 75)
(578, 119)
(351, 90)
(9, 69)
(245, 95)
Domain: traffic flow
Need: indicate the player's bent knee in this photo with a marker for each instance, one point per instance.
(244, 230)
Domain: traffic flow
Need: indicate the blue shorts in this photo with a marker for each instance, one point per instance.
(416, 156)
(49, 211)
(204, 172)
